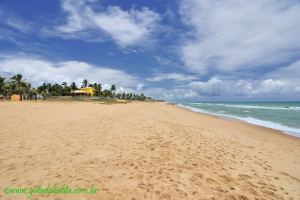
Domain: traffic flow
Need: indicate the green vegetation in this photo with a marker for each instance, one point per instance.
(17, 85)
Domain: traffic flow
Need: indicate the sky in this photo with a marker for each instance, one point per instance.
(176, 50)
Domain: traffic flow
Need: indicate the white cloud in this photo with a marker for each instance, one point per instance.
(170, 76)
(172, 94)
(222, 89)
(76, 14)
(139, 86)
(235, 35)
(276, 85)
(287, 76)
(166, 61)
(126, 28)
(290, 72)
(211, 87)
(19, 25)
(37, 71)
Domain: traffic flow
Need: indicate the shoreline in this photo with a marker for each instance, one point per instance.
(234, 118)
(143, 150)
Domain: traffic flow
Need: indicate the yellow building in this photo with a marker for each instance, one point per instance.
(15, 97)
(87, 91)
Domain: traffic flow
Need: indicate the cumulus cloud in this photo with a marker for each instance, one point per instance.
(276, 85)
(125, 27)
(223, 89)
(269, 86)
(211, 87)
(173, 94)
(38, 71)
(237, 35)
(170, 76)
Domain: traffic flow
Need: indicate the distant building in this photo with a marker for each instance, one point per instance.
(15, 97)
(87, 91)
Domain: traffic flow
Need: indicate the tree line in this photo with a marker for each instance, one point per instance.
(17, 85)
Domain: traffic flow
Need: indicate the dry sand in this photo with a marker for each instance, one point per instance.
(143, 151)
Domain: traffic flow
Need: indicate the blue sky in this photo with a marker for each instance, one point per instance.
(189, 50)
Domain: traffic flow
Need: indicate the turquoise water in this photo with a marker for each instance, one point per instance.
(284, 116)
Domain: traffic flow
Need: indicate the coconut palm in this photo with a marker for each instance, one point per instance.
(44, 90)
(106, 93)
(66, 90)
(113, 89)
(26, 87)
(56, 90)
(98, 89)
(2, 88)
(73, 86)
(18, 86)
(32, 94)
(123, 95)
(2, 84)
(17, 78)
(84, 83)
(119, 96)
(64, 84)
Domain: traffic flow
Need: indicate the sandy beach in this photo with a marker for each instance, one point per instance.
(143, 150)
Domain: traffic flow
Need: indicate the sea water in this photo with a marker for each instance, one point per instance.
(284, 116)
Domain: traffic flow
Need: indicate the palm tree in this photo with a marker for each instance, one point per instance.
(73, 86)
(2, 84)
(64, 84)
(32, 94)
(18, 85)
(113, 89)
(66, 90)
(2, 87)
(106, 93)
(44, 90)
(119, 96)
(17, 78)
(123, 95)
(84, 83)
(26, 89)
(56, 90)
(98, 88)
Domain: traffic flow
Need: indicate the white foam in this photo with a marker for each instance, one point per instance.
(250, 120)
(252, 106)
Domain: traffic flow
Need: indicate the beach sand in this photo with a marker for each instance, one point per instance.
(142, 151)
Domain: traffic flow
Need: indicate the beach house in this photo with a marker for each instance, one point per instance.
(87, 91)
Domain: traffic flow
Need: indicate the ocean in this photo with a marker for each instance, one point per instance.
(283, 116)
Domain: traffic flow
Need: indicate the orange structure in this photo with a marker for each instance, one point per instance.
(15, 97)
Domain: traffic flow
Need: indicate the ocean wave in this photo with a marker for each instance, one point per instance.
(296, 108)
(250, 120)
